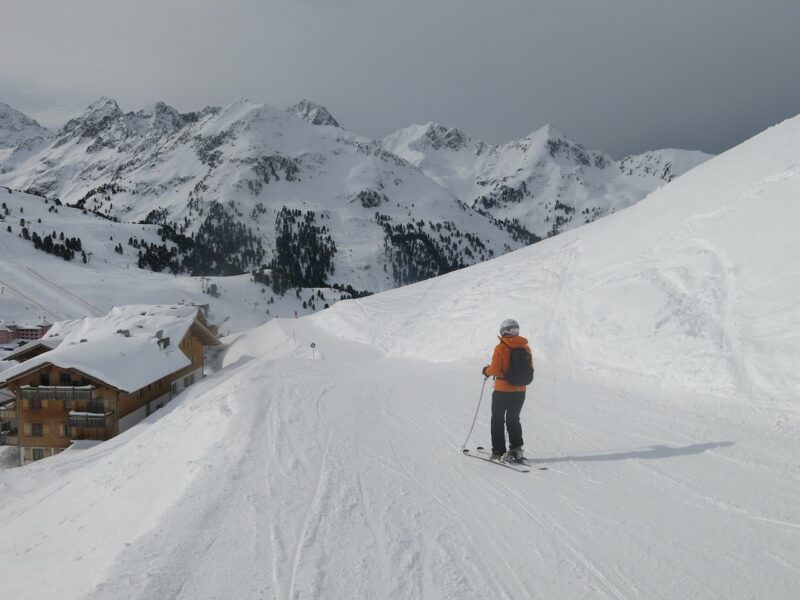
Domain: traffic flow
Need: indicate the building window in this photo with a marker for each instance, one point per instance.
(188, 380)
(37, 429)
(64, 378)
(67, 404)
(44, 378)
(97, 405)
(36, 403)
(37, 453)
(174, 389)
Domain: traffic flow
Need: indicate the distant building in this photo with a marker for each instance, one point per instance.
(10, 332)
(102, 377)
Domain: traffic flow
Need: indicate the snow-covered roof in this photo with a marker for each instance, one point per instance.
(140, 320)
(50, 343)
(121, 348)
(29, 325)
(60, 329)
(52, 339)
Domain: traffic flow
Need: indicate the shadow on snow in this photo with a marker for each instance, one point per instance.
(646, 453)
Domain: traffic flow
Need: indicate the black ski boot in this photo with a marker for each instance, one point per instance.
(515, 455)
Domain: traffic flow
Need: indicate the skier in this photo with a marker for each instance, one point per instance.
(512, 368)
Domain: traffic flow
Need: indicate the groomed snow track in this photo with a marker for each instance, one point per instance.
(289, 477)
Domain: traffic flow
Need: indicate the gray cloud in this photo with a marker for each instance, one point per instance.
(619, 75)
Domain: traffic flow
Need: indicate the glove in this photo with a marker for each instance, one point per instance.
(485, 374)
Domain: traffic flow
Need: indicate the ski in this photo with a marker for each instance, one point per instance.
(481, 455)
(524, 461)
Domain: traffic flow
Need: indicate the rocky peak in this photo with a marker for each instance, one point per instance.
(664, 165)
(313, 113)
(158, 116)
(101, 109)
(557, 145)
(17, 128)
(415, 141)
(98, 116)
(439, 136)
(194, 116)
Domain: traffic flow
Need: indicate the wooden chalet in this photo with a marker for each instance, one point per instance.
(103, 377)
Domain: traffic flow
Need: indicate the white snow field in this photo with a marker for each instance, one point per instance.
(665, 406)
(37, 286)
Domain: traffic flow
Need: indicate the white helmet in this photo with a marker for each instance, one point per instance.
(509, 328)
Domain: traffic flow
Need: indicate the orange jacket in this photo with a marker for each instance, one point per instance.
(500, 358)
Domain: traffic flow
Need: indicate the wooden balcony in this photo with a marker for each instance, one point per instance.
(9, 438)
(89, 420)
(8, 412)
(91, 426)
(56, 392)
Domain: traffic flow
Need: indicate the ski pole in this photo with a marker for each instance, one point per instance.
(475, 418)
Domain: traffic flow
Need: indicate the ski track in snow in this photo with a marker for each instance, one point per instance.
(92, 308)
(344, 487)
(63, 298)
(30, 300)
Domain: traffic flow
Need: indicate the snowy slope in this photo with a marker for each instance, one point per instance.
(36, 285)
(545, 181)
(665, 406)
(708, 260)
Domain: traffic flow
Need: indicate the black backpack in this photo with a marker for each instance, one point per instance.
(520, 367)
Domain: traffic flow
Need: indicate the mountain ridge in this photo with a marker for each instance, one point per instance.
(544, 180)
(390, 216)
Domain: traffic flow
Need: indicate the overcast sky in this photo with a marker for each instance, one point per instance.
(621, 76)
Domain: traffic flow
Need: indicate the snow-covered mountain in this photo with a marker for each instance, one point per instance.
(255, 186)
(20, 136)
(544, 181)
(667, 339)
(263, 186)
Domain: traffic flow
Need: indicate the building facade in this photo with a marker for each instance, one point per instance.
(58, 399)
(10, 332)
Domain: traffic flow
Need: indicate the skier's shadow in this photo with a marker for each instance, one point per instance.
(650, 452)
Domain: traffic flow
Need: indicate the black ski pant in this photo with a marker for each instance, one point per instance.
(506, 407)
